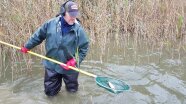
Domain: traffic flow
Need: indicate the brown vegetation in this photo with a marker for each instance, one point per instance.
(152, 21)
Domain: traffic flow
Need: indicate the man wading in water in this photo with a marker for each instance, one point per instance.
(66, 41)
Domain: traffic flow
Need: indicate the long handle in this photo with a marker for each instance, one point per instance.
(55, 61)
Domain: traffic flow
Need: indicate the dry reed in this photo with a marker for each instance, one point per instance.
(155, 22)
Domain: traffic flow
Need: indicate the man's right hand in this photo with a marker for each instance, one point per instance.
(24, 50)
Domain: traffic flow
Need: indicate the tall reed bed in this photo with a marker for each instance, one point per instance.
(156, 22)
(18, 20)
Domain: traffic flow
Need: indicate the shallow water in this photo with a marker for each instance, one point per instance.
(155, 76)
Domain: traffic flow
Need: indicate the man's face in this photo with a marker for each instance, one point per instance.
(70, 20)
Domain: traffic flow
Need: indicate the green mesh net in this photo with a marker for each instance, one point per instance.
(112, 85)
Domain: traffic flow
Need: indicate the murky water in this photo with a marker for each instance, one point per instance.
(156, 75)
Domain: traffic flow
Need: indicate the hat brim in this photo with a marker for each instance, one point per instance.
(74, 14)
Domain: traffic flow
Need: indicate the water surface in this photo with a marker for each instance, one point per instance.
(156, 75)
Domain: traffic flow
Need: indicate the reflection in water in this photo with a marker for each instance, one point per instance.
(155, 76)
(161, 95)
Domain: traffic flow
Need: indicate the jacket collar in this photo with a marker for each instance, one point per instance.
(75, 26)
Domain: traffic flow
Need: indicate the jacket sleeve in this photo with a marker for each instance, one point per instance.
(37, 38)
(83, 45)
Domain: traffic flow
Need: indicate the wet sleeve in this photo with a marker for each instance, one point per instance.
(37, 38)
(83, 45)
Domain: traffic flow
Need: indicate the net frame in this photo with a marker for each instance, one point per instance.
(107, 83)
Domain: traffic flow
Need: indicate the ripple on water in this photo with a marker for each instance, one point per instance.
(162, 96)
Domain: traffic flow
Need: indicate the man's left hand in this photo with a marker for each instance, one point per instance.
(71, 62)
